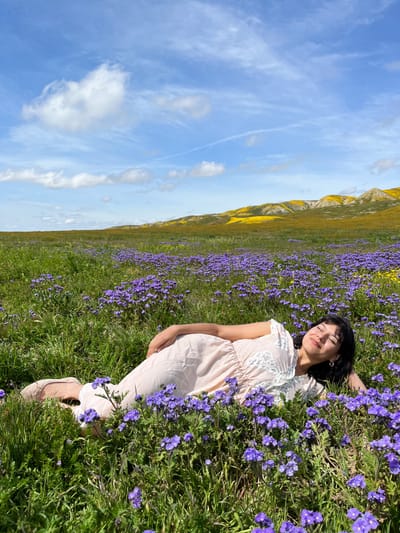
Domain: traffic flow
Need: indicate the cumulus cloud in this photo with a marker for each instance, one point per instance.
(207, 169)
(383, 165)
(195, 106)
(134, 175)
(75, 106)
(57, 180)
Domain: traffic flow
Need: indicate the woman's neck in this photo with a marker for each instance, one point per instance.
(303, 363)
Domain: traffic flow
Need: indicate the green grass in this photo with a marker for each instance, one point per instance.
(54, 478)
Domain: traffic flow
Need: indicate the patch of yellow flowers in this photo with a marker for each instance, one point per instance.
(391, 276)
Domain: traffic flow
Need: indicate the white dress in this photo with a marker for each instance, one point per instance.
(198, 363)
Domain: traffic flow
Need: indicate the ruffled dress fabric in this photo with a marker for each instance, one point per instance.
(199, 363)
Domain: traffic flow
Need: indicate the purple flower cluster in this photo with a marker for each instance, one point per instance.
(100, 382)
(47, 280)
(135, 498)
(46, 288)
(253, 455)
(170, 443)
(291, 466)
(141, 296)
(357, 482)
(89, 416)
(310, 518)
(307, 518)
(363, 522)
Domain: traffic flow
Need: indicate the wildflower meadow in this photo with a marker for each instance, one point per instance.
(88, 307)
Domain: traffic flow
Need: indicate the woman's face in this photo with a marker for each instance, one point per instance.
(322, 342)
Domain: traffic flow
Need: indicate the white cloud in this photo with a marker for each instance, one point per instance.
(53, 180)
(74, 106)
(134, 175)
(57, 180)
(207, 169)
(383, 165)
(195, 106)
(176, 174)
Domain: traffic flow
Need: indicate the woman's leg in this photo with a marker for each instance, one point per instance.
(174, 364)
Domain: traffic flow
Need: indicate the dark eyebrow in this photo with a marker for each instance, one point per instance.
(338, 334)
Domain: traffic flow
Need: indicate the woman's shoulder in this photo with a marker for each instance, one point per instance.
(278, 328)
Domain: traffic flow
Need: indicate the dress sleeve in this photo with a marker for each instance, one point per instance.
(284, 340)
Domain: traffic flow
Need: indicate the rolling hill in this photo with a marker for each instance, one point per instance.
(372, 201)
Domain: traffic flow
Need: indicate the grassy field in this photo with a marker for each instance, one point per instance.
(183, 466)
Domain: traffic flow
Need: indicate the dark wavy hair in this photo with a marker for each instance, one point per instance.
(324, 372)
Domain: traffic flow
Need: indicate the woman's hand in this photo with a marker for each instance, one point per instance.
(355, 382)
(162, 340)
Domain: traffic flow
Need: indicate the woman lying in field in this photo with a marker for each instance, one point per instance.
(200, 357)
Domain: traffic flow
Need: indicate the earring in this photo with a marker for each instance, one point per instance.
(331, 364)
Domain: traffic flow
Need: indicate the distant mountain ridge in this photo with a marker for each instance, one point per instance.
(270, 211)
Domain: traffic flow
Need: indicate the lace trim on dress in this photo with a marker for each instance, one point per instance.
(288, 389)
(266, 361)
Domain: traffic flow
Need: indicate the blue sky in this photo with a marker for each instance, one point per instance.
(133, 111)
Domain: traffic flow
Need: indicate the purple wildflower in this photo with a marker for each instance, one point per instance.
(132, 416)
(382, 443)
(289, 527)
(345, 440)
(394, 463)
(311, 411)
(89, 416)
(378, 378)
(394, 368)
(263, 520)
(377, 495)
(269, 440)
(135, 497)
(252, 455)
(2, 394)
(99, 382)
(268, 464)
(309, 518)
(357, 482)
(364, 523)
(353, 513)
(170, 443)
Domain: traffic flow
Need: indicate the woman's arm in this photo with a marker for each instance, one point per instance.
(230, 333)
(355, 382)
